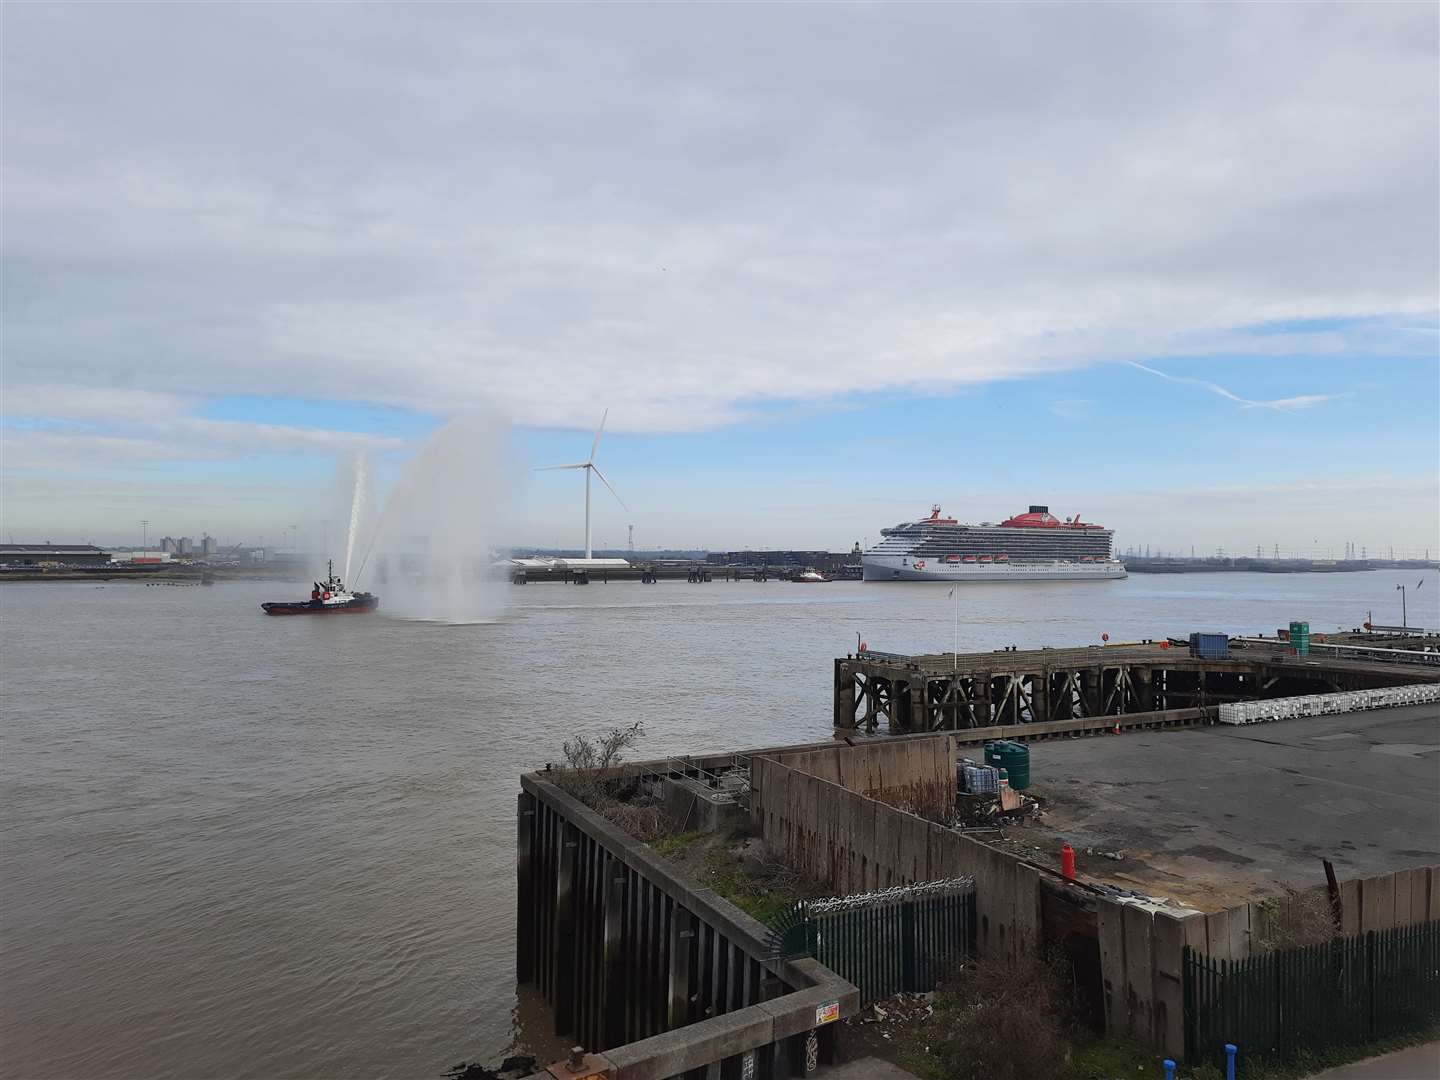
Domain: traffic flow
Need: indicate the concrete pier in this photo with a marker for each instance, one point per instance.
(948, 692)
(658, 977)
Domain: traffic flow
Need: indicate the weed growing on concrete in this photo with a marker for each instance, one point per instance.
(1295, 919)
(673, 847)
(758, 899)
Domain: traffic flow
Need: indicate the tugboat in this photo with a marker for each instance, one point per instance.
(330, 598)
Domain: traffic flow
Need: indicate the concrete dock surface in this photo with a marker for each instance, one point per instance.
(1215, 815)
(1414, 1063)
(867, 1068)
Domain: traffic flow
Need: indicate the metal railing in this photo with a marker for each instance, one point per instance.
(1281, 1005)
(1369, 652)
(897, 940)
(888, 657)
(726, 782)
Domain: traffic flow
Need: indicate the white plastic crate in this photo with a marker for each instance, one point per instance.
(1256, 712)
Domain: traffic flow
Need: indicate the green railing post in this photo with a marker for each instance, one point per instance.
(1279, 1038)
(1187, 992)
(1370, 986)
(907, 947)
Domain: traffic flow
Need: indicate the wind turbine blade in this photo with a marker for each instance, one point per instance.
(598, 473)
(547, 468)
(598, 432)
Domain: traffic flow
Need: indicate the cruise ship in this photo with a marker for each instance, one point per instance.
(1033, 546)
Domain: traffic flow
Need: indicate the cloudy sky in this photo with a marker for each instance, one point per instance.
(1171, 266)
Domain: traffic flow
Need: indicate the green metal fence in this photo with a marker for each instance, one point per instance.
(886, 942)
(1347, 991)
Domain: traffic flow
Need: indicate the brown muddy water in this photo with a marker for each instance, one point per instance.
(235, 846)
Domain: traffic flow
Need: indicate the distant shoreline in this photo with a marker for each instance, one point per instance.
(146, 574)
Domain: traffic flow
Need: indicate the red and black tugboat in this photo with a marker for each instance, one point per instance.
(329, 598)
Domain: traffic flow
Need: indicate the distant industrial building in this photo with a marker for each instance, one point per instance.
(52, 554)
(185, 546)
(831, 562)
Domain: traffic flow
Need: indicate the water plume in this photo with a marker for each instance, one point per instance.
(430, 556)
(360, 496)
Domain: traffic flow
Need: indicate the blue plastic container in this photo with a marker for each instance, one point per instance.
(1210, 646)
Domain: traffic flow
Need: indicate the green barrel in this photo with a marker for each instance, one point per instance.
(1013, 757)
(1300, 638)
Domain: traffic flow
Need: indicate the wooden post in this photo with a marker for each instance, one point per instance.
(525, 889)
(613, 959)
(1144, 689)
(844, 695)
(682, 938)
(565, 930)
(907, 947)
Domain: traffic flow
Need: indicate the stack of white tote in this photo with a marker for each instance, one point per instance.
(1256, 712)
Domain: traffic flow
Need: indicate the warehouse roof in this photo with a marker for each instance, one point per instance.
(49, 549)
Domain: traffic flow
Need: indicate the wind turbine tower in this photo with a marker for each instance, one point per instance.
(590, 467)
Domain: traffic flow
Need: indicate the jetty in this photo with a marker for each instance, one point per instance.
(1201, 785)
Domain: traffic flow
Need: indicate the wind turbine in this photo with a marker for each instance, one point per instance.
(590, 467)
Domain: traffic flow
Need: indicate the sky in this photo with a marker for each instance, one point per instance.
(1172, 267)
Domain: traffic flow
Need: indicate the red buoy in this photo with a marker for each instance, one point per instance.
(1067, 862)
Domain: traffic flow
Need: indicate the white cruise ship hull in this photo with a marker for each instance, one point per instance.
(905, 568)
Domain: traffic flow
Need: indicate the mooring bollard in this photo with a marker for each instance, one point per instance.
(1230, 1049)
(1169, 1069)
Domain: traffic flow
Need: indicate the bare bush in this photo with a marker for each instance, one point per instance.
(1003, 1019)
(1295, 919)
(590, 763)
(645, 823)
(770, 870)
(594, 774)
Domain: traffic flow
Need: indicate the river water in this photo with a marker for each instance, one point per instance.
(236, 846)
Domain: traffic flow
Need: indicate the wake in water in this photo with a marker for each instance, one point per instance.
(428, 553)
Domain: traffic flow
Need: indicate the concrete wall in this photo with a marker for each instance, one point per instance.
(1382, 902)
(878, 765)
(690, 806)
(856, 844)
(1141, 965)
(1142, 951)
